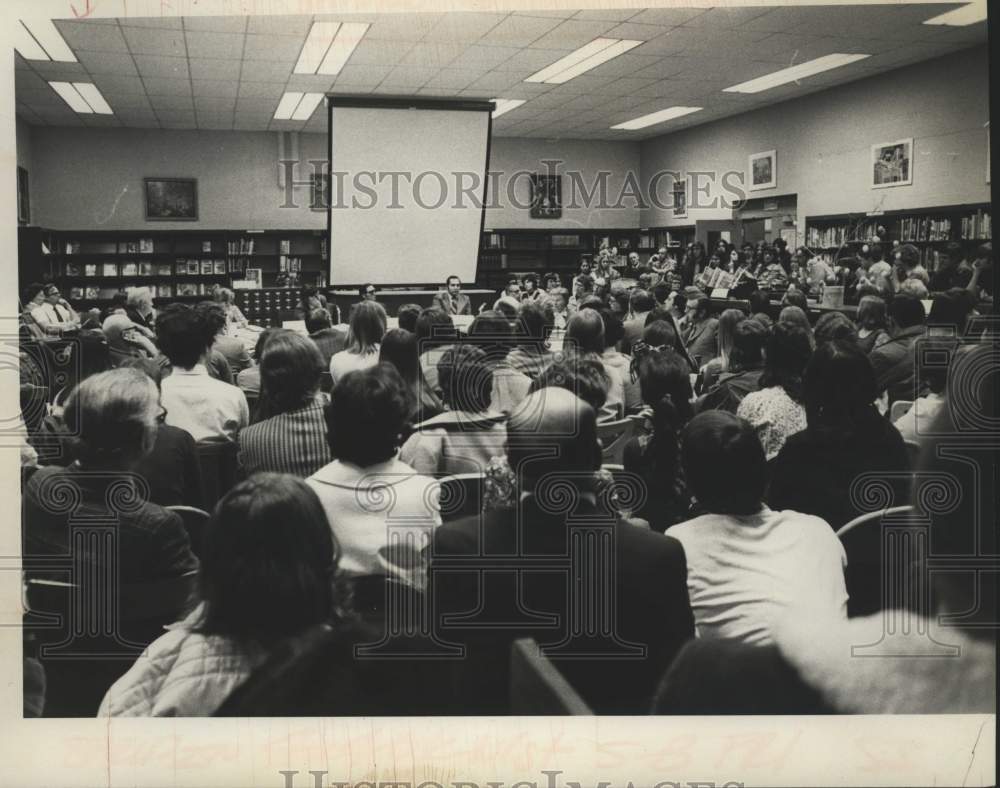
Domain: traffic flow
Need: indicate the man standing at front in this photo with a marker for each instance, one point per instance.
(452, 301)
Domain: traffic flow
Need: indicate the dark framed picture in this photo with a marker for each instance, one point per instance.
(763, 170)
(679, 192)
(171, 199)
(892, 163)
(546, 196)
(23, 200)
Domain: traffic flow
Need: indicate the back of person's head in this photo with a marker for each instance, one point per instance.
(406, 316)
(914, 287)
(840, 389)
(111, 417)
(872, 314)
(466, 378)
(796, 298)
(262, 339)
(534, 321)
(119, 300)
(585, 332)
(317, 320)
(665, 382)
(659, 334)
(31, 292)
(225, 296)
(399, 348)
(951, 310)
(586, 282)
(584, 375)
(907, 311)
(760, 301)
(290, 371)
(552, 418)
(748, 345)
(908, 255)
(661, 292)
(797, 317)
(835, 325)
(786, 355)
(367, 326)
(367, 414)
(138, 297)
(724, 463)
(491, 332)
(268, 562)
(641, 301)
(434, 327)
(618, 299)
(184, 334)
(507, 306)
(147, 366)
(728, 320)
(614, 328)
(214, 316)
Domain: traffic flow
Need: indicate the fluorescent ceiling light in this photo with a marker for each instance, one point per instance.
(93, 97)
(347, 38)
(505, 105)
(26, 44)
(306, 107)
(589, 56)
(959, 17)
(795, 73)
(656, 117)
(48, 36)
(287, 105)
(72, 97)
(317, 43)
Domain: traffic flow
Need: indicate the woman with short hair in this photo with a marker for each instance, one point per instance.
(873, 323)
(234, 315)
(364, 336)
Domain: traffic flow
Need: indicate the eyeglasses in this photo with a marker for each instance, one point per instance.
(370, 292)
(161, 417)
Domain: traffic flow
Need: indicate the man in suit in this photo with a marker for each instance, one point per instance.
(700, 332)
(894, 361)
(452, 301)
(530, 571)
(329, 338)
(54, 315)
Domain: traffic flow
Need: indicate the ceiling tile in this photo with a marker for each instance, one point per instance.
(241, 123)
(362, 75)
(379, 53)
(723, 18)
(96, 38)
(625, 65)
(262, 71)
(666, 16)
(20, 64)
(132, 101)
(572, 34)
(215, 120)
(486, 56)
(108, 63)
(402, 27)
(586, 84)
(608, 14)
(518, 31)
(533, 59)
(206, 68)
(208, 104)
(144, 41)
(496, 81)
(284, 25)
(218, 88)
(310, 83)
(349, 89)
(270, 47)
(29, 80)
(171, 103)
(162, 67)
(636, 32)
(258, 90)
(215, 45)
(408, 77)
(553, 14)
(432, 54)
(463, 27)
(176, 118)
(216, 24)
(59, 71)
(158, 22)
(257, 106)
(110, 83)
(452, 78)
(168, 87)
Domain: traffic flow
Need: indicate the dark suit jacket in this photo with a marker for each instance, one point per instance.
(329, 341)
(702, 340)
(894, 363)
(459, 305)
(651, 615)
(633, 333)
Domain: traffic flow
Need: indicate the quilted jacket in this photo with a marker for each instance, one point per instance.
(182, 674)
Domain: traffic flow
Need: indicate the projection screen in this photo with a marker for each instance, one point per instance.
(408, 181)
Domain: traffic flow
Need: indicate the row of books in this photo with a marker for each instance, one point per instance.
(840, 234)
(924, 228)
(977, 226)
(142, 246)
(289, 263)
(158, 291)
(180, 268)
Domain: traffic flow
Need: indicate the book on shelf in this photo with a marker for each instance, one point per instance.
(206, 267)
(181, 268)
(284, 247)
(206, 246)
(109, 269)
(977, 226)
(187, 289)
(165, 291)
(131, 247)
(193, 268)
(145, 246)
(90, 293)
(145, 269)
(219, 267)
(107, 292)
(282, 263)
(76, 293)
(130, 269)
(163, 269)
(90, 269)
(72, 269)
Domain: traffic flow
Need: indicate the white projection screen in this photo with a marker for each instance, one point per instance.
(398, 214)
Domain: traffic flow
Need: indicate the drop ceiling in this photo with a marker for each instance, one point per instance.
(229, 73)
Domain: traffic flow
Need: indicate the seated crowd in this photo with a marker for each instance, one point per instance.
(690, 471)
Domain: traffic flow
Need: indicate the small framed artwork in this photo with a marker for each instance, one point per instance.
(892, 163)
(546, 196)
(23, 199)
(171, 199)
(762, 171)
(679, 208)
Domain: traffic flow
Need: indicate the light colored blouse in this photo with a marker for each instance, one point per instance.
(347, 361)
(774, 415)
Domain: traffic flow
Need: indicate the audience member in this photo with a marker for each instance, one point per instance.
(798, 317)
(699, 332)
(399, 348)
(362, 342)
(614, 331)
(641, 304)
(406, 317)
(893, 361)
(234, 315)
(491, 333)
(249, 379)
(435, 335)
(585, 335)
(559, 297)
(710, 371)
(932, 372)
(835, 326)
(54, 316)
(139, 307)
(746, 365)
(534, 324)
(873, 323)
(760, 308)
(231, 348)
(329, 338)
(950, 313)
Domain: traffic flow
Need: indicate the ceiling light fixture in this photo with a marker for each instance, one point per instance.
(589, 56)
(328, 47)
(93, 97)
(662, 116)
(307, 106)
(72, 97)
(26, 44)
(348, 37)
(504, 106)
(296, 105)
(801, 71)
(46, 34)
(960, 17)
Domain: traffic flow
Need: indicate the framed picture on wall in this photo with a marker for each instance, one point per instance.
(892, 163)
(171, 199)
(23, 200)
(762, 171)
(679, 207)
(546, 196)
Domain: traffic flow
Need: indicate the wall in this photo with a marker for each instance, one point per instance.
(24, 159)
(92, 178)
(823, 142)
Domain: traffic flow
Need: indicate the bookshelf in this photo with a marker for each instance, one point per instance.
(90, 266)
(929, 229)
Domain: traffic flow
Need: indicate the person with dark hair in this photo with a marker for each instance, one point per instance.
(531, 293)
(845, 437)
(491, 333)
(760, 308)
(367, 292)
(309, 301)
(463, 438)
(534, 323)
(777, 410)
(435, 331)
(665, 383)
(795, 298)
(907, 265)
(873, 323)
(661, 295)
(981, 283)
(207, 408)
(641, 303)
(700, 332)
(551, 281)
(583, 285)
(552, 443)
(953, 270)
(932, 373)
(229, 347)
(399, 348)
(406, 317)
(893, 361)
(746, 365)
(950, 312)
(585, 335)
(451, 300)
(798, 317)
(290, 438)
(269, 571)
(835, 326)
(54, 316)
(618, 302)
(365, 420)
(329, 339)
(614, 332)
(362, 341)
(746, 563)
(583, 374)
(249, 379)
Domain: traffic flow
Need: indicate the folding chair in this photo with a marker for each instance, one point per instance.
(195, 520)
(536, 685)
(218, 469)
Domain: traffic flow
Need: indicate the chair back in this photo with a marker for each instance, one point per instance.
(899, 409)
(195, 521)
(253, 403)
(913, 449)
(867, 564)
(219, 470)
(537, 686)
(461, 495)
(325, 381)
(614, 435)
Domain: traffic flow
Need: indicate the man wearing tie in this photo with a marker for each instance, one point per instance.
(54, 315)
(452, 301)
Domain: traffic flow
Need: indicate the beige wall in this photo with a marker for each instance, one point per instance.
(823, 141)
